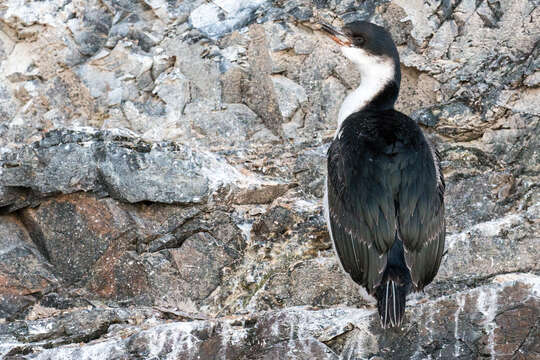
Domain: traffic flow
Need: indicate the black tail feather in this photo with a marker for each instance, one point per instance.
(396, 284)
(391, 303)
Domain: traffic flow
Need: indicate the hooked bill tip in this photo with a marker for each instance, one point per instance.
(336, 35)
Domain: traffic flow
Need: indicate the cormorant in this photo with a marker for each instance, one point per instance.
(384, 198)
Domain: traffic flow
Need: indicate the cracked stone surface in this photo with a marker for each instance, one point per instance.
(162, 170)
(497, 320)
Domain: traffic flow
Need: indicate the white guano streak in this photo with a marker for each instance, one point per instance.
(376, 71)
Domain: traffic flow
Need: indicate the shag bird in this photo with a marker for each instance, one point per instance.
(384, 197)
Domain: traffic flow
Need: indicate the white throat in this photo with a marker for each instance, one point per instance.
(376, 71)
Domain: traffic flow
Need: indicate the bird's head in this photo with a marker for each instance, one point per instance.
(369, 46)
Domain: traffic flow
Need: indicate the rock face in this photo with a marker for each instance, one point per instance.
(498, 320)
(23, 270)
(162, 169)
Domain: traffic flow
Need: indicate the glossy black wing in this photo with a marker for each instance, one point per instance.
(361, 209)
(421, 213)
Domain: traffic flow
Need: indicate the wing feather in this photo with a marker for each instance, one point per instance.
(374, 190)
(423, 232)
(361, 213)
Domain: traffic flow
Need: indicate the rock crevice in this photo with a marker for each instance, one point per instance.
(162, 170)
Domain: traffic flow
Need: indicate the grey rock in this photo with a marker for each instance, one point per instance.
(479, 326)
(279, 38)
(317, 282)
(490, 13)
(353, 12)
(26, 170)
(73, 250)
(533, 79)
(522, 101)
(141, 254)
(260, 193)
(293, 129)
(90, 215)
(112, 74)
(261, 96)
(203, 257)
(223, 16)
(161, 63)
(126, 173)
(127, 169)
(425, 117)
(441, 40)
(304, 46)
(72, 327)
(394, 20)
(458, 121)
(301, 12)
(90, 32)
(511, 249)
(24, 273)
(203, 74)
(141, 116)
(332, 95)
(232, 82)
(177, 257)
(276, 220)
(423, 24)
(21, 64)
(290, 95)
(234, 124)
(8, 106)
(15, 198)
(6, 45)
(310, 169)
(299, 332)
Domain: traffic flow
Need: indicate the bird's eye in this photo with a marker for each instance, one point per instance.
(359, 40)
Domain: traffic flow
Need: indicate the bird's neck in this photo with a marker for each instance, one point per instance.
(378, 90)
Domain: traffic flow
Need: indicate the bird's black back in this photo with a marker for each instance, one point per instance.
(384, 185)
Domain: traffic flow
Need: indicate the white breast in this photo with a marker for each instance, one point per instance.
(376, 72)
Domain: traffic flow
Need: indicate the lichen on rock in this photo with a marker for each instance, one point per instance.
(162, 169)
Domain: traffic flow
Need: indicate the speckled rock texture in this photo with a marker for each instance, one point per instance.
(162, 168)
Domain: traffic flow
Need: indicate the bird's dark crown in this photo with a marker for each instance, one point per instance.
(372, 49)
(372, 38)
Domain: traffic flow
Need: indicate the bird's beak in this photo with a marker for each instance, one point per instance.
(336, 35)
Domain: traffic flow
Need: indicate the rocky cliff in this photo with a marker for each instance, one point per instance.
(162, 167)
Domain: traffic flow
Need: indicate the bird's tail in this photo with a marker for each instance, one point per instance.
(391, 302)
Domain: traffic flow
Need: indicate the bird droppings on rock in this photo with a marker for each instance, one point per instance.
(214, 156)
